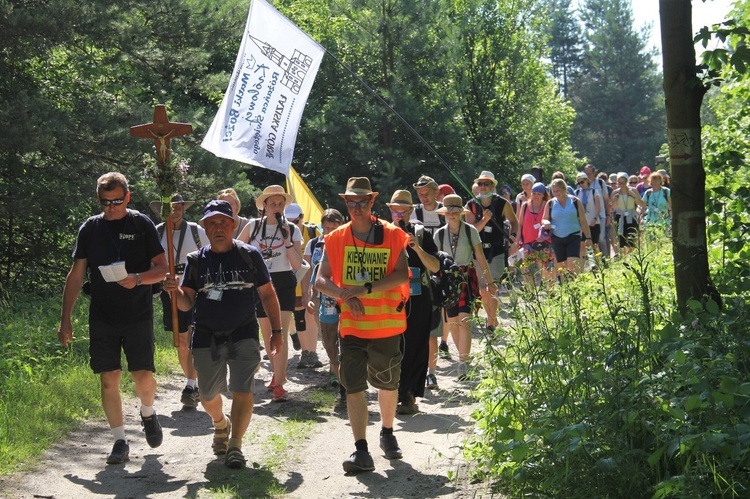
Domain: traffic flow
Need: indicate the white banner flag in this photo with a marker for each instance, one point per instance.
(259, 117)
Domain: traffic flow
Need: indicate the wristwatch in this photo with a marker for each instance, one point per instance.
(368, 287)
(138, 279)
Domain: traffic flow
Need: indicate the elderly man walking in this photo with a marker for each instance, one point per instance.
(364, 267)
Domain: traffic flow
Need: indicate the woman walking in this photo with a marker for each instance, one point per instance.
(564, 216)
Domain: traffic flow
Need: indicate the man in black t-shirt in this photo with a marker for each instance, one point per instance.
(221, 284)
(120, 250)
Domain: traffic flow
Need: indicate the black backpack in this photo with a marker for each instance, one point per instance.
(445, 284)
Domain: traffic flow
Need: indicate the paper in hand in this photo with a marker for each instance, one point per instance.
(114, 272)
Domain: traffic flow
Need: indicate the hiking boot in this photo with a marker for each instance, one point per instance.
(234, 459)
(359, 461)
(295, 342)
(304, 362)
(389, 445)
(443, 351)
(221, 439)
(334, 380)
(190, 397)
(313, 362)
(152, 427)
(279, 394)
(120, 453)
(431, 382)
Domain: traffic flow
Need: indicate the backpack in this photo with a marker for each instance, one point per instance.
(193, 230)
(445, 285)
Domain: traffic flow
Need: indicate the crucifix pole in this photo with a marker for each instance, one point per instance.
(161, 130)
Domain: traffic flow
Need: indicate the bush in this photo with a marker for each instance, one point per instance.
(603, 390)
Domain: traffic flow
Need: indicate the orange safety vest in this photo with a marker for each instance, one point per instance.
(384, 313)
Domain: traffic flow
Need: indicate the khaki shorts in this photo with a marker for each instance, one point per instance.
(375, 361)
(497, 267)
(212, 374)
(329, 334)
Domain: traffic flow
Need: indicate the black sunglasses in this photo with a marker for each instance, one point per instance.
(484, 184)
(107, 202)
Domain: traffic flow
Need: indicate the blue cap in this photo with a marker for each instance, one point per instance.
(217, 207)
(539, 187)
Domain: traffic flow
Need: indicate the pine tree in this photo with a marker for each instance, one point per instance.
(566, 44)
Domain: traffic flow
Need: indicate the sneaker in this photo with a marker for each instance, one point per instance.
(408, 407)
(358, 462)
(120, 453)
(234, 459)
(443, 351)
(431, 382)
(334, 380)
(389, 445)
(272, 385)
(295, 342)
(190, 396)
(279, 394)
(152, 427)
(313, 362)
(304, 361)
(221, 439)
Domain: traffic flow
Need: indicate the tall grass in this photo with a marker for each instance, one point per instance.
(604, 391)
(45, 390)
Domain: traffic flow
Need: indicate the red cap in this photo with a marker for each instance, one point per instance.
(445, 189)
(645, 171)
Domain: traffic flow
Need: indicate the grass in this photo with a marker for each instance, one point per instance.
(46, 390)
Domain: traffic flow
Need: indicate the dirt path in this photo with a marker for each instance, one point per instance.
(294, 449)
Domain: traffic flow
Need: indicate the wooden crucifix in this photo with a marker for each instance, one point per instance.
(161, 130)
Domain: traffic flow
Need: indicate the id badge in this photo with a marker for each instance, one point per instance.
(537, 226)
(488, 228)
(214, 294)
(329, 311)
(362, 277)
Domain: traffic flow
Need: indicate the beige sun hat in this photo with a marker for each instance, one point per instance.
(358, 186)
(177, 198)
(486, 175)
(401, 198)
(272, 190)
(451, 204)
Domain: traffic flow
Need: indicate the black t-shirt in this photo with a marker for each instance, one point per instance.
(132, 239)
(226, 276)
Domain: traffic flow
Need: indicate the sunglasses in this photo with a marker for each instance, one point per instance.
(484, 184)
(107, 202)
(399, 214)
(581, 182)
(633, 183)
(357, 204)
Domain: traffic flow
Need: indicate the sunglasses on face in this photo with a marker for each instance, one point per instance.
(581, 182)
(633, 183)
(107, 202)
(357, 204)
(484, 184)
(399, 214)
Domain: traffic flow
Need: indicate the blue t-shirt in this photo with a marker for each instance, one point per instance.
(564, 218)
(226, 292)
(132, 239)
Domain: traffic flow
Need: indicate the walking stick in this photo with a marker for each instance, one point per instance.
(161, 130)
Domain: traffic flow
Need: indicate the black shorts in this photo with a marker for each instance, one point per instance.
(185, 319)
(108, 341)
(567, 247)
(284, 283)
(595, 233)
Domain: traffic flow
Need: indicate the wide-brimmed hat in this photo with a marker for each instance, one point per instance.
(177, 198)
(401, 198)
(217, 207)
(272, 190)
(452, 203)
(486, 175)
(425, 181)
(358, 186)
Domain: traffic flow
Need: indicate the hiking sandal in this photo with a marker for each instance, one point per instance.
(234, 459)
(221, 439)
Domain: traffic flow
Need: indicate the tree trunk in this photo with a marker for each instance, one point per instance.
(683, 97)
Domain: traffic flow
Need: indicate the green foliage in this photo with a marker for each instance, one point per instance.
(618, 96)
(603, 391)
(45, 390)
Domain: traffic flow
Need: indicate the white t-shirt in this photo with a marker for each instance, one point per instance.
(431, 220)
(271, 245)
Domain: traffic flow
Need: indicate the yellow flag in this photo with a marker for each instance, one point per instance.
(304, 197)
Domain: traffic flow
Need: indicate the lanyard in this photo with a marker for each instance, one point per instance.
(361, 256)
